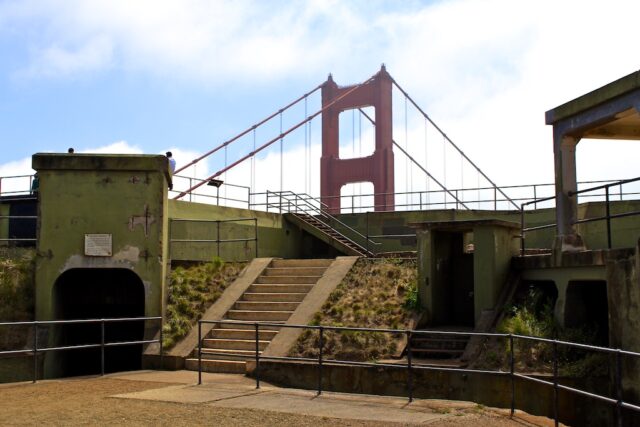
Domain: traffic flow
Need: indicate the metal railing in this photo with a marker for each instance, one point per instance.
(19, 217)
(9, 181)
(608, 216)
(474, 197)
(35, 349)
(289, 202)
(216, 198)
(411, 366)
(217, 240)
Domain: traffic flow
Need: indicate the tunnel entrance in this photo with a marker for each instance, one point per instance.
(587, 308)
(94, 293)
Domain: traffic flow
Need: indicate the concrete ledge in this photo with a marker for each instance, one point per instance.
(175, 357)
(311, 304)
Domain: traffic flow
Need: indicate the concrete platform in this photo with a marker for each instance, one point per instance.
(238, 391)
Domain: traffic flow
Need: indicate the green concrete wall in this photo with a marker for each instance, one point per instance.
(125, 196)
(276, 237)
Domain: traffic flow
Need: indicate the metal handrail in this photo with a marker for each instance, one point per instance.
(217, 240)
(325, 215)
(35, 349)
(410, 366)
(607, 217)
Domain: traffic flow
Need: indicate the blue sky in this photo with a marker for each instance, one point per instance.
(147, 76)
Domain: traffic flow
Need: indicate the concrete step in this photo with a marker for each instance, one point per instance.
(233, 344)
(266, 305)
(227, 354)
(272, 296)
(287, 263)
(220, 366)
(287, 279)
(257, 316)
(250, 326)
(242, 334)
(295, 271)
(280, 288)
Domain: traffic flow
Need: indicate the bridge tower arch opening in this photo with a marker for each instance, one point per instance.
(95, 293)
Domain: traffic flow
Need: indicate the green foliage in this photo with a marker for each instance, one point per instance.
(411, 298)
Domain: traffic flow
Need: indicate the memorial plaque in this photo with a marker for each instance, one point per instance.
(98, 245)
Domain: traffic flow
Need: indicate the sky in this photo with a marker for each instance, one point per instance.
(149, 76)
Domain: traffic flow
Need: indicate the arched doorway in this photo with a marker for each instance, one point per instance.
(94, 293)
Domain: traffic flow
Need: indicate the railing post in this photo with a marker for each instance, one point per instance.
(161, 344)
(535, 197)
(512, 372)
(320, 361)
(409, 368)
(218, 236)
(522, 230)
(255, 231)
(608, 214)
(199, 352)
(619, 388)
(456, 192)
(555, 382)
(190, 186)
(102, 347)
(420, 200)
(367, 230)
(353, 203)
(620, 192)
(495, 198)
(35, 351)
(257, 325)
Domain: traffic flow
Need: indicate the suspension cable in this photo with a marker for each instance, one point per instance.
(426, 116)
(246, 131)
(417, 164)
(282, 135)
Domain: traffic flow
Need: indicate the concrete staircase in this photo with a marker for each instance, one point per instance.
(273, 298)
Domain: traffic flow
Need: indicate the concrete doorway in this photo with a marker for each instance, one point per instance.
(92, 293)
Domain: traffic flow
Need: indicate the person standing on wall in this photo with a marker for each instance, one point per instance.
(172, 166)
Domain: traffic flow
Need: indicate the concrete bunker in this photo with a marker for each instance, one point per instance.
(96, 293)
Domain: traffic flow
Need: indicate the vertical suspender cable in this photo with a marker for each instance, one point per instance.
(224, 193)
(253, 166)
(461, 178)
(353, 154)
(281, 164)
(444, 166)
(426, 156)
(360, 155)
(306, 149)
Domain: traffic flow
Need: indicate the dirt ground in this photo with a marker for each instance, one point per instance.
(89, 401)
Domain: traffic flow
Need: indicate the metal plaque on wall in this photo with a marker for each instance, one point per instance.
(98, 245)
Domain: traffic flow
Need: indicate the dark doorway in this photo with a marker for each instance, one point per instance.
(93, 294)
(454, 281)
(587, 309)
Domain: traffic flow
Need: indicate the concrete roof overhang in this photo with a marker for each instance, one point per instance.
(610, 112)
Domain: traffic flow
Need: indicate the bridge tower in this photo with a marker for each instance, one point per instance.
(376, 168)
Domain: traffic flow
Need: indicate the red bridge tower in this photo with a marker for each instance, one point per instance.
(376, 168)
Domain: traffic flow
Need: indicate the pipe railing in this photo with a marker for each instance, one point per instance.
(290, 202)
(218, 241)
(214, 198)
(35, 349)
(608, 216)
(410, 366)
(3, 183)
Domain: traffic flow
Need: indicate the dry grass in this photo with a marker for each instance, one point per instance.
(375, 294)
(192, 290)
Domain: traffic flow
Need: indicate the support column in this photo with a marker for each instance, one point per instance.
(564, 150)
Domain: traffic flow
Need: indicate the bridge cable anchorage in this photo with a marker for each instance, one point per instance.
(246, 131)
(272, 141)
(426, 116)
(418, 164)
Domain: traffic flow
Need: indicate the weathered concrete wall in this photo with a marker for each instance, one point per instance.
(489, 390)
(124, 196)
(276, 237)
